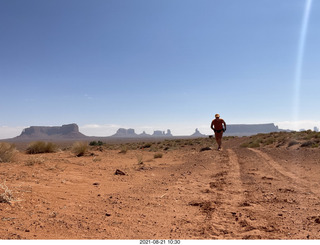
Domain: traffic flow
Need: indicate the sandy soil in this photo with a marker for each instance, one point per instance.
(237, 193)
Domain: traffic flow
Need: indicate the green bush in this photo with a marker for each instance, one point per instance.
(95, 143)
(41, 147)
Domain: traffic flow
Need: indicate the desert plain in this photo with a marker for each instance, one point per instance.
(259, 187)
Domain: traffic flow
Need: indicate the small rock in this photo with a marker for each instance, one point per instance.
(119, 172)
(108, 214)
(245, 204)
(96, 183)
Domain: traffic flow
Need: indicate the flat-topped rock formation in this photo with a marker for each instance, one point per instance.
(64, 132)
(250, 129)
(122, 132)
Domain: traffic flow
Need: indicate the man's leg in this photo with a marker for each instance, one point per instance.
(218, 139)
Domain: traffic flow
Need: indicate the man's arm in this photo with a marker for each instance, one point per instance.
(225, 125)
(211, 125)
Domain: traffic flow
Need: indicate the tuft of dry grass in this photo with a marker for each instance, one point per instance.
(139, 159)
(79, 148)
(158, 155)
(34, 160)
(41, 147)
(124, 149)
(7, 152)
(6, 196)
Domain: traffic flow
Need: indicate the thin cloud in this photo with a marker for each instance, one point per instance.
(298, 125)
(10, 132)
(98, 129)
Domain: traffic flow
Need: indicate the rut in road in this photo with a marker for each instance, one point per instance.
(223, 200)
(301, 182)
(283, 203)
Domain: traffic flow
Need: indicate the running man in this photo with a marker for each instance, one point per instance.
(217, 126)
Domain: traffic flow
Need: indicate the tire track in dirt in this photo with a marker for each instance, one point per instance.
(301, 182)
(237, 217)
(226, 198)
(282, 203)
(236, 188)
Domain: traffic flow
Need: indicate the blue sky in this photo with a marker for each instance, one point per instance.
(156, 65)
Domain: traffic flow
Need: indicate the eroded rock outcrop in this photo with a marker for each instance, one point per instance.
(68, 131)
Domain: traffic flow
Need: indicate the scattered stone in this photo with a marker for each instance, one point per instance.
(317, 220)
(245, 204)
(205, 149)
(108, 215)
(96, 183)
(119, 172)
(195, 203)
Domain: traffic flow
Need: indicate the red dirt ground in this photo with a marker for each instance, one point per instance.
(237, 193)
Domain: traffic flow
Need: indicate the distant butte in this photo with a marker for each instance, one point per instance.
(64, 132)
(130, 133)
(71, 132)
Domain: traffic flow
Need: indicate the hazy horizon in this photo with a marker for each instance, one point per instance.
(109, 130)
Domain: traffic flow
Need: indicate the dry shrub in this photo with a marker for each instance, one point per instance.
(158, 155)
(34, 160)
(139, 159)
(292, 142)
(41, 147)
(6, 196)
(307, 144)
(7, 152)
(124, 149)
(251, 144)
(79, 148)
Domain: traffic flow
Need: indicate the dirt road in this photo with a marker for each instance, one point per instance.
(238, 193)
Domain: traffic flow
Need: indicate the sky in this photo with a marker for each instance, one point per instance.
(158, 64)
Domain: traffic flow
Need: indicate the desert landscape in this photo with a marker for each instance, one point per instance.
(265, 186)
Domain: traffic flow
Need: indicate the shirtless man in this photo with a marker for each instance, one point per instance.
(217, 127)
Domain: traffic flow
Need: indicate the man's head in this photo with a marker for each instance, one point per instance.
(217, 115)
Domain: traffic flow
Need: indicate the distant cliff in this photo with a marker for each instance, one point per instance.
(158, 133)
(250, 129)
(130, 133)
(122, 132)
(64, 132)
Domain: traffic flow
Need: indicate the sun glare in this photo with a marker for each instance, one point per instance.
(299, 62)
